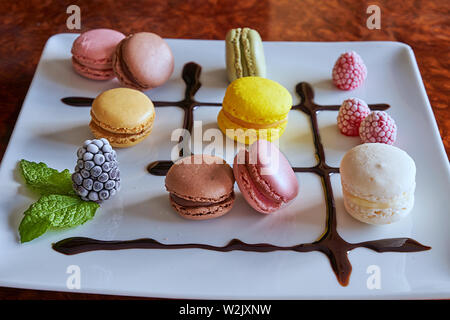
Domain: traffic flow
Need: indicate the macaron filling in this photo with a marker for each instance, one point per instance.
(196, 204)
(92, 73)
(368, 204)
(237, 52)
(139, 129)
(96, 65)
(250, 125)
(117, 135)
(247, 62)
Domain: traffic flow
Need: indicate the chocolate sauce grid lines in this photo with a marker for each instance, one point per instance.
(330, 243)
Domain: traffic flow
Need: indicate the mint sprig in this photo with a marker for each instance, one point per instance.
(44, 180)
(55, 211)
(58, 207)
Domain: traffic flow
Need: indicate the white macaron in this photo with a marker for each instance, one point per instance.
(378, 183)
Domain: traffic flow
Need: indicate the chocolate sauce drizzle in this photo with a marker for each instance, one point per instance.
(330, 243)
(191, 77)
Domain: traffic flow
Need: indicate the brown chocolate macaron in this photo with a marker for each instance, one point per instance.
(201, 187)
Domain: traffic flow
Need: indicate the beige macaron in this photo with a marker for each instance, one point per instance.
(123, 116)
(378, 183)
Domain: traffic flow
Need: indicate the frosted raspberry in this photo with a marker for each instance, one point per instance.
(351, 113)
(349, 71)
(378, 126)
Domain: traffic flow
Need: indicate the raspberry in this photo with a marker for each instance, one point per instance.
(96, 176)
(349, 71)
(351, 113)
(378, 126)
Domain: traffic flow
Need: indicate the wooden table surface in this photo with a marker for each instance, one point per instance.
(25, 26)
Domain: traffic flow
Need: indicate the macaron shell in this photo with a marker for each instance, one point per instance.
(271, 171)
(265, 177)
(93, 74)
(92, 52)
(200, 178)
(257, 100)
(204, 213)
(377, 171)
(249, 190)
(148, 59)
(96, 45)
(123, 110)
(245, 135)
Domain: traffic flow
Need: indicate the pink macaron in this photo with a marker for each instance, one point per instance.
(92, 53)
(143, 61)
(265, 177)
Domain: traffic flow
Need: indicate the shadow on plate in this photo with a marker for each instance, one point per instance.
(214, 78)
(324, 84)
(175, 85)
(16, 215)
(72, 136)
(158, 208)
(60, 71)
(22, 189)
(298, 135)
(334, 140)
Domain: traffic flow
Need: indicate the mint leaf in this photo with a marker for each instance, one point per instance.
(44, 180)
(32, 227)
(55, 211)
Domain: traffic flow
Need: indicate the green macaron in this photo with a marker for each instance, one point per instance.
(244, 54)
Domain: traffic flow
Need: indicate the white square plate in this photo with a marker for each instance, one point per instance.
(49, 131)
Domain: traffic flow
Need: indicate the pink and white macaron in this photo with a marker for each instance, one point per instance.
(92, 53)
(265, 177)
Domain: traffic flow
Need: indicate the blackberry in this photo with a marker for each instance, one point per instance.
(97, 176)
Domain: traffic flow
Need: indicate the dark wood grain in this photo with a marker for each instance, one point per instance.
(25, 26)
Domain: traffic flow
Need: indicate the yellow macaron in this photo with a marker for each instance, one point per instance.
(123, 116)
(254, 108)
